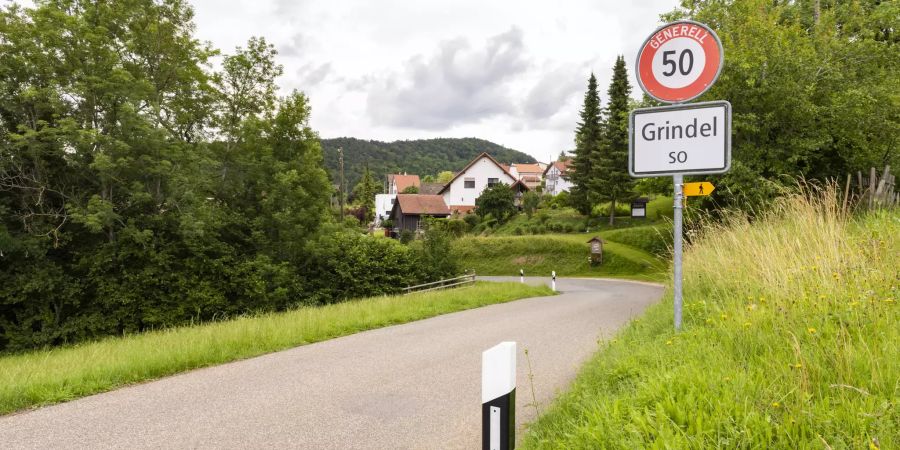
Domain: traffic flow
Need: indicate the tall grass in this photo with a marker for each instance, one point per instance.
(61, 374)
(791, 340)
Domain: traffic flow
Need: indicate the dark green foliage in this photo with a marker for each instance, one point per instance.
(407, 236)
(472, 220)
(613, 182)
(410, 190)
(120, 212)
(435, 256)
(421, 157)
(588, 139)
(347, 265)
(364, 194)
(498, 201)
(814, 94)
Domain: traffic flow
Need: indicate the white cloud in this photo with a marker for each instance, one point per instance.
(459, 84)
(510, 72)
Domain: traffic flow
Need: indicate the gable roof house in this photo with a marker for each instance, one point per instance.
(409, 209)
(468, 184)
(557, 176)
(530, 174)
(397, 183)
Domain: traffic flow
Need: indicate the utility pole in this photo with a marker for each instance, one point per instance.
(341, 192)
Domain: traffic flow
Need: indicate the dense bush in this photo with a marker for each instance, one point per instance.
(139, 189)
(457, 227)
(472, 220)
(346, 265)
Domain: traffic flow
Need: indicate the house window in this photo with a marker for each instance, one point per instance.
(469, 183)
(493, 181)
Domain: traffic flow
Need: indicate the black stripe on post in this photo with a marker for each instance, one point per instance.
(498, 420)
(498, 397)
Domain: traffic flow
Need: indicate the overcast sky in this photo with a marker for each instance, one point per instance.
(512, 72)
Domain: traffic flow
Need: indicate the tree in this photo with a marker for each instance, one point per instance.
(498, 201)
(530, 202)
(364, 194)
(445, 177)
(613, 182)
(813, 91)
(588, 138)
(411, 190)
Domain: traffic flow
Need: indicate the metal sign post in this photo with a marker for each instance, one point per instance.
(678, 63)
(678, 181)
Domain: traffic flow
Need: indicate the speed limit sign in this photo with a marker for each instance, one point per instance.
(679, 61)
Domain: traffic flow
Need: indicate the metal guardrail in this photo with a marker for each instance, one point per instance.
(468, 278)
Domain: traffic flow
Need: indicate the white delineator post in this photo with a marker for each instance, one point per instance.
(553, 282)
(521, 275)
(498, 397)
(678, 180)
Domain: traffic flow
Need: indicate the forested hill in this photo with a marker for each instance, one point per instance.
(421, 157)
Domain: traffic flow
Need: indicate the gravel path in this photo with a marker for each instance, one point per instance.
(415, 385)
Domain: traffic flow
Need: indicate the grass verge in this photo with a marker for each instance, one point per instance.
(567, 254)
(790, 341)
(57, 375)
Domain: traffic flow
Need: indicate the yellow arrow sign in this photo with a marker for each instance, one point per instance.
(695, 189)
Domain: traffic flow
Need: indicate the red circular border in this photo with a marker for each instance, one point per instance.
(711, 48)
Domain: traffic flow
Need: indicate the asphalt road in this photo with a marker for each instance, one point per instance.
(415, 385)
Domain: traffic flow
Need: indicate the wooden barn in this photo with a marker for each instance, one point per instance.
(409, 209)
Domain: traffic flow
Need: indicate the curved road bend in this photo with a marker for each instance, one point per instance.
(415, 385)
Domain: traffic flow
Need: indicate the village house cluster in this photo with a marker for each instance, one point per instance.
(457, 197)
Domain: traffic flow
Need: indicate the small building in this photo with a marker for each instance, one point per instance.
(409, 209)
(519, 189)
(397, 183)
(639, 207)
(557, 177)
(468, 184)
(596, 250)
(529, 174)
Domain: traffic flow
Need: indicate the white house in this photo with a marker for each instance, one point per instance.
(383, 205)
(466, 186)
(556, 177)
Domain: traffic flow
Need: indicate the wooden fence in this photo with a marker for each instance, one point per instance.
(872, 191)
(468, 278)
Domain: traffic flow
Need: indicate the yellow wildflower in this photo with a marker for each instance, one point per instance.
(775, 404)
(669, 342)
(811, 330)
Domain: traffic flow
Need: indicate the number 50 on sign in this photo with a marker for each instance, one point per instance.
(679, 61)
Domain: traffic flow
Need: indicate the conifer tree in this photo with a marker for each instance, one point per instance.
(588, 137)
(365, 191)
(613, 182)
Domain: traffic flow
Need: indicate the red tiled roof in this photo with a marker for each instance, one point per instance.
(529, 168)
(563, 166)
(417, 204)
(405, 181)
